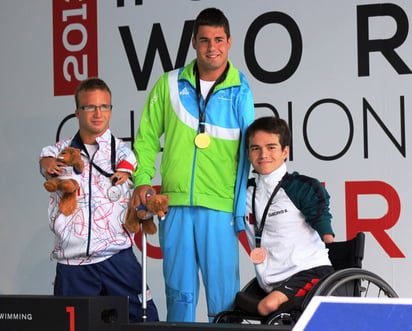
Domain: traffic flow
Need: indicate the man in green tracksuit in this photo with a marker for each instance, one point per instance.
(202, 111)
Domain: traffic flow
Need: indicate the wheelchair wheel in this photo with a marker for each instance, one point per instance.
(283, 319)
(352, 282)
(237, 317)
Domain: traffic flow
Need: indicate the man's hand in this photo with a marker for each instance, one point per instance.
(51, 166)
(119, 177)
(139, 195)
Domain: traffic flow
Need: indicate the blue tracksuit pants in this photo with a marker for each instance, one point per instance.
(193, 239)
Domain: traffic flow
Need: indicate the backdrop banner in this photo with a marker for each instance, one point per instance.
(339, 72)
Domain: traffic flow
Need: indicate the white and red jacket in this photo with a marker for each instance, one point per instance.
(95, 231)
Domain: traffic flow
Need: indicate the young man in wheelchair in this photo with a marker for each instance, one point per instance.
(288, 220)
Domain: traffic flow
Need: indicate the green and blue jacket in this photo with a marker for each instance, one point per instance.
(214, 177)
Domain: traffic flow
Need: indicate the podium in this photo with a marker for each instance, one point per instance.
(51, 313)
(349, 314)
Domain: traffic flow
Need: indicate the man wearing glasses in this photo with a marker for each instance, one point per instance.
(93, 249)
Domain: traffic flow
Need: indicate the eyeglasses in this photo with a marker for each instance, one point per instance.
(92, 108)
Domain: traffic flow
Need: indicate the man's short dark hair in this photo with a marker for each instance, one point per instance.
(211, 17)
(270, 124)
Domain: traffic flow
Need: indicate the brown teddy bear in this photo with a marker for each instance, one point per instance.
(67, 182)
(156, 204)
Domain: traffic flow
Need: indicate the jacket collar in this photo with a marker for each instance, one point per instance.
(232, 77)
(78, 143)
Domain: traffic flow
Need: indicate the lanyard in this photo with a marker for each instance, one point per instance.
(259, 230)
(202, 110)
(112, 155)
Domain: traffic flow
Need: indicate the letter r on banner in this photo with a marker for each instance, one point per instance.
(74, 43)
(376, 226)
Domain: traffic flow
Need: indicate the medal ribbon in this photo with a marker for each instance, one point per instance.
(202, 110)
(79, 140)
(259, 230)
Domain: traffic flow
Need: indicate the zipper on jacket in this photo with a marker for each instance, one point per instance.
(90, 205)
(192, 180)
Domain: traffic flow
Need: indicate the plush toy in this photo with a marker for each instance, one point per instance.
(156, 204)
(67, 182)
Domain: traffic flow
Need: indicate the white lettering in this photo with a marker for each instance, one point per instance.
(73, 60)
(16, 316)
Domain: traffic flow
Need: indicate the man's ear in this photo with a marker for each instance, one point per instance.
(229, 41)
(285, 152)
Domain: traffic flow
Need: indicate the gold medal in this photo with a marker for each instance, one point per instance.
(202, 140)
(258, 255)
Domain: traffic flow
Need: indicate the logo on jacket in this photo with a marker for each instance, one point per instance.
(278, 212)
(184, 92)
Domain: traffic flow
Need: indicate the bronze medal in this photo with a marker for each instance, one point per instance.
(202, 140)
(258, 255)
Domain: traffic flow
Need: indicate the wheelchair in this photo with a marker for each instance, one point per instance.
(349, 279)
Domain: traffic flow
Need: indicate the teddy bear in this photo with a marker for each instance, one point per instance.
(156, 204)
(67, 182)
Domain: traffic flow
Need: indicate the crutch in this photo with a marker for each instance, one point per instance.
(144, 262)
(144, 275)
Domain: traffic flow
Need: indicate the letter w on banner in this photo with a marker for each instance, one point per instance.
(74, 43)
